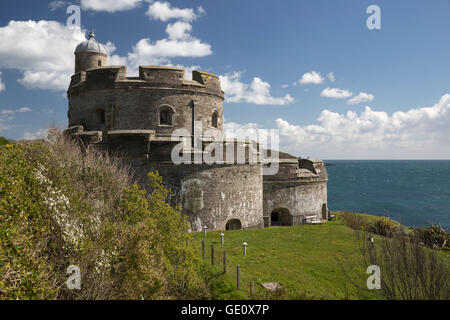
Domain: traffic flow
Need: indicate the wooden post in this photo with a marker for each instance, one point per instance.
(224, 262)
(203, 249)
(238, 277)
(252, 288)
(212, 254)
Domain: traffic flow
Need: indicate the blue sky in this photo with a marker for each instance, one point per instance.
(398, 76)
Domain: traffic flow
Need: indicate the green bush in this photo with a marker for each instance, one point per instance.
(61, 206)
(383, 227)
(378, 225)
(3, 141)
(433, 236)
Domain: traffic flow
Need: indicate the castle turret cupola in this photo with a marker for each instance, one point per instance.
(90, 54)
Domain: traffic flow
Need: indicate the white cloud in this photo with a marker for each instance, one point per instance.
(2, 84)
(258, 92)
(7, 115)
(284, 86)
(164, 11)
(10, 112)
(336, 93)
(54, 5)
(40, 134)
(180, 43)
(42, 50)
(361, 98)
(416, 133)
(312, 77)
(109, 5)
(331, 77)
(179, 30)
(422, 133)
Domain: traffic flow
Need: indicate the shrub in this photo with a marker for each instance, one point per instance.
(377, 225)
(3, 141)
(61, 205)
(409, 271)
(383, 227)
(352, 220)
(433, 236)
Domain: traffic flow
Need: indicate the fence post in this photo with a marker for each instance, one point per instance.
(212, 254)
(224, 262)
(238, 277)
(252, 288)
(203, 249)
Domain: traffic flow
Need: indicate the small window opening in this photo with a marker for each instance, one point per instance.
(214, 119)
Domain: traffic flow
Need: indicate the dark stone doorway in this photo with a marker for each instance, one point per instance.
(233, 224)
(281, 217)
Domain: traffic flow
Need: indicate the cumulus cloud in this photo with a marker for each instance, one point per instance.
(42, 50)
(361, 98)
(40, 134)
(164, 11)
(2, 84)
(336, 93)
(109, 5)
(257, 92)
(312, 77)
(179, 30)
(179, 41)
(147, 52)
(421, 133)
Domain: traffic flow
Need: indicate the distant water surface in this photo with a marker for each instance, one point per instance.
(414, 192)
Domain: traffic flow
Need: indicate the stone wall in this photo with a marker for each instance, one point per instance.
(301, 199)
(104, 99)
(212, 195)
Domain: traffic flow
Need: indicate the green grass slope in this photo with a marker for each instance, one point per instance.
(308, 261)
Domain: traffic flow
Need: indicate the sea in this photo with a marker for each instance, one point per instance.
(413, 192)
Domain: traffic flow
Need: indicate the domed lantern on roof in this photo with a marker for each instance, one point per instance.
(90, 54)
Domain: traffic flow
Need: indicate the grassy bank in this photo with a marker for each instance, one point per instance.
(308, 261)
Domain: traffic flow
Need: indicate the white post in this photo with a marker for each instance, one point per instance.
(221, 237)
(204, 230)
(245, 248)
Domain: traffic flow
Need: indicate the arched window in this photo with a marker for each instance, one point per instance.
(215, 116)
(165, 116)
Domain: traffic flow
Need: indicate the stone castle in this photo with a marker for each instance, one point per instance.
(136, 117)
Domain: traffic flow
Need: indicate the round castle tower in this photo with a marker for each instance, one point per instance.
(136, 117)
(102, 98)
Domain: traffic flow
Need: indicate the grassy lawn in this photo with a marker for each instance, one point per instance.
(307, 260)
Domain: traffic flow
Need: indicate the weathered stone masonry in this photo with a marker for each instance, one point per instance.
(136, 116)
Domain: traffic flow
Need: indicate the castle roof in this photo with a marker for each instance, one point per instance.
(91, 45)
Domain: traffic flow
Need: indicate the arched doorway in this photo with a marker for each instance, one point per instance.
(233, 224)
(324, 211)
(281, 217)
